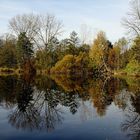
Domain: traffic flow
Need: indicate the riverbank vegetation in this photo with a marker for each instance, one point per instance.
(35, 46)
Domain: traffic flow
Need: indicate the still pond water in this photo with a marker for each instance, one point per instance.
(66, 108)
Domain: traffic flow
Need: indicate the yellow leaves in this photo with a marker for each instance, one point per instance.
(71, 63)
(96, 51)
(112, 59)
(64, 64)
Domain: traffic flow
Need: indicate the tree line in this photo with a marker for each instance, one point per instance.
(34, 44)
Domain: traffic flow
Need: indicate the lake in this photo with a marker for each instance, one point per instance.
(69, 108)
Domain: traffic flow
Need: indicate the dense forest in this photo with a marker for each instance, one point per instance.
(34, 46)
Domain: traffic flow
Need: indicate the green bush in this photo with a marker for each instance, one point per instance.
(133, 67)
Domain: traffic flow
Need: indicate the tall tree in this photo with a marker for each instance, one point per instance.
(136, 49)
(74, 40)
(8, 52)
(121, 50)
(24, 47)
(49, 29)
(100, 51)
(73, 43)
(96, 51)
(27, 23)
(85, 34)
(132, 21)
(25, 53)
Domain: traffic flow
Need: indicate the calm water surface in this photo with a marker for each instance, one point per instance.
(66, 108)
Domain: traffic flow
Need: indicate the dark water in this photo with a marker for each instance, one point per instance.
(66, 108)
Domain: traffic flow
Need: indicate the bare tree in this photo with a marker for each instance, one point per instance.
(28, 23)
(38, 28)
(49, 29)
(132, 21)
(85, 32)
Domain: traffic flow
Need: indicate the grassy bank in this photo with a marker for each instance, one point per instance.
(14, 71)
(10, 71)
(126, 73)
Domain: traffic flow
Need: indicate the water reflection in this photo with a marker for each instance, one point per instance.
(131, 124)
(38, 104)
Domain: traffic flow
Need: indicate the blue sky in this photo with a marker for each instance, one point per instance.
(98, 15)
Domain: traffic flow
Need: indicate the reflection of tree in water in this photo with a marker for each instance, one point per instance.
(40, 109)
(74, 89)
(58, 95)
(39, 103)
(71, 100)
(34, 109)
(103, 93)
(131, 125)
(24, 96)
(48, 106)
(27, 119)
(7, 91)
(24, 115)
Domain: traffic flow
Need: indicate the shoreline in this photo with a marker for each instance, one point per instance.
(13, 71)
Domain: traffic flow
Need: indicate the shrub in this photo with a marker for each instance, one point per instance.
(133, 67)
(64, 65)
